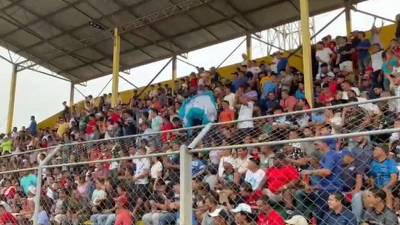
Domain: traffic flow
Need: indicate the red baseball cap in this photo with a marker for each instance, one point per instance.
(122, 200)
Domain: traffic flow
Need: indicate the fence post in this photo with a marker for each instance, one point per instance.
(185, 201)
(186, 193)
(39, 183)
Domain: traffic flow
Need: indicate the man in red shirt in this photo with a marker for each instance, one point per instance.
(288, 102)
(7, 217)
(268, 216)
(227, 114)
(280, 179)
(124, 216)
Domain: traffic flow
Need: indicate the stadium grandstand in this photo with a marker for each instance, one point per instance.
(306, 135)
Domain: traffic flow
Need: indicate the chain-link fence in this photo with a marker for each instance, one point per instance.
(314, 166)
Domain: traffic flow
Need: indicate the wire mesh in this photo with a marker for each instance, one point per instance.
(322, 181)
(234, 181)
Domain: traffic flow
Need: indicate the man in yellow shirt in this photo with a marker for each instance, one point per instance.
(7, 145)
(265, 78)
(63, 127)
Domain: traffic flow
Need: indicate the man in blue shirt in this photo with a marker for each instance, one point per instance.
(239, 81)
(363, 46)
(384, 170)
(33, 126)
(282, 63)
(331, 172)
(270, 87)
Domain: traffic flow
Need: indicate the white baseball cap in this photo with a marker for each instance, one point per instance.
(297, 220)
(242, 207)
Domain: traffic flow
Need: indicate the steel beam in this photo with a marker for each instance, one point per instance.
(159, 72)
(71, 97)
(305, 37)
(116, 65)
(249, 47)
(11, 101)
(174, 72)
(347, 11)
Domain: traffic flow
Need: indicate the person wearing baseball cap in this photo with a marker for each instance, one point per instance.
(244, 215)
(124, 216)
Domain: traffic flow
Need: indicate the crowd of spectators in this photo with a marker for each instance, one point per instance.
(333, 181)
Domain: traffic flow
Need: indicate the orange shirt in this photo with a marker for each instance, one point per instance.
(227, 115)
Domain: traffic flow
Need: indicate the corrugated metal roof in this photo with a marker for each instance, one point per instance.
(56, 33)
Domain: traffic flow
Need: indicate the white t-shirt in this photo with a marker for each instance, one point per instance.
(254, 178)
(397, 93)
(377, 61)
(141, 166)
(324, 54)
(231, 99)
(246, 112)
(156, 168)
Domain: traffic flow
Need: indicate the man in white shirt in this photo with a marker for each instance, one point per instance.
(254, 175)
(141, 175)
(246, 108)
(323, 54)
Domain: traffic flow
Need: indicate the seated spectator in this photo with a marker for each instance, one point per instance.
(243, 214)
(379, 213)
(281, 178)
(267, 215)
(338, 214)
(254, 175)
(123, 216)
(6, 217)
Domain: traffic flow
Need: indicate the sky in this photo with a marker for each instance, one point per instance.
(41, 95)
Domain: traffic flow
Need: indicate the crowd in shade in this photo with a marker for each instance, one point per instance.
(333, 181)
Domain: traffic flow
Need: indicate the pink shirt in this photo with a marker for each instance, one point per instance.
(123, 217)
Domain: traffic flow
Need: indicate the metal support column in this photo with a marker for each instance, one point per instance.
(249, 47)
(11, 101)
(174, 72)
(186, 197)
(305, 37)
(116, 64)
(71, 96)
(348, 17)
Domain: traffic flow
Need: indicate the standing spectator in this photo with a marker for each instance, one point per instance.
(6, 145)
(156, 120)
(339, 214)
(344, 56)
(33, 127)
(323, 54)
(246, 109)
(141, 177)
(330, 172)
(363, 46)
(227, 113)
